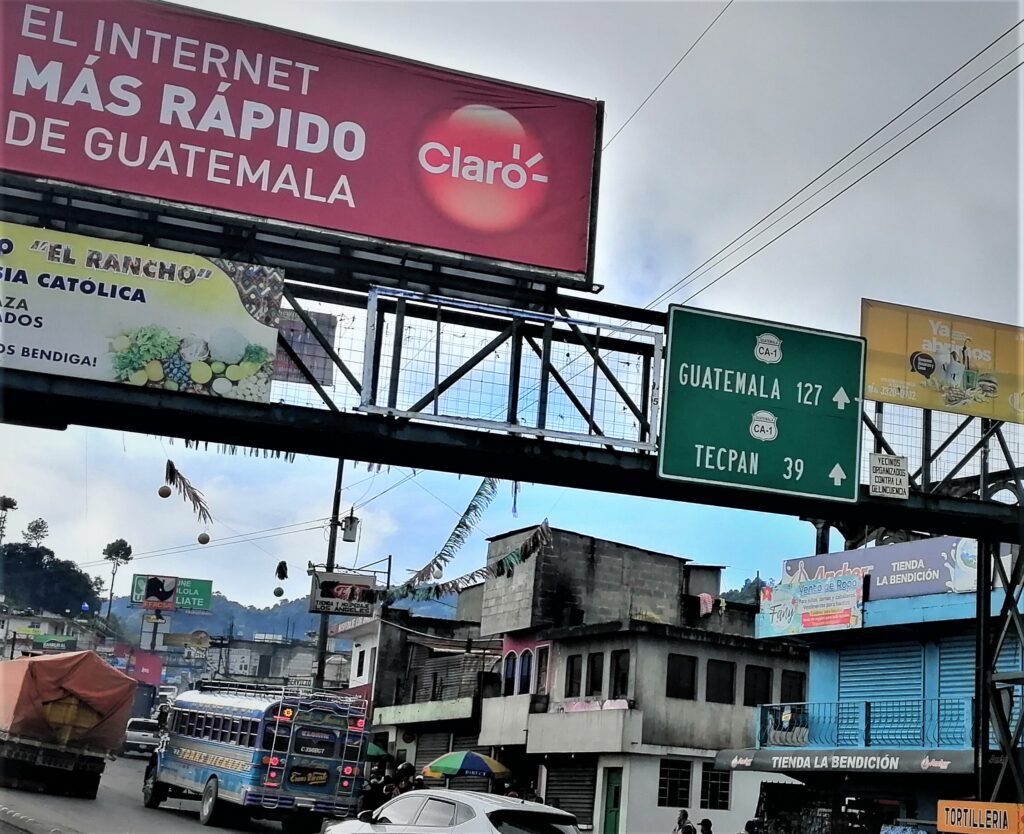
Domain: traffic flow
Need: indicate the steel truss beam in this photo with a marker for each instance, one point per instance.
(56, 402)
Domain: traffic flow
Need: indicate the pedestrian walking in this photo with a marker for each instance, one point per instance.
(705, 826)
(683, 824)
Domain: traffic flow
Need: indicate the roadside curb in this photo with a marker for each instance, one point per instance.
(20, 822)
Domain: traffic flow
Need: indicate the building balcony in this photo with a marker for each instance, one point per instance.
(919, 723)
(424, 712)
(615, 729)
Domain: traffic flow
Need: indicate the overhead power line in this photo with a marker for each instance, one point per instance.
(685, 279)
(893, 155)
(667, 75)
(847, 170)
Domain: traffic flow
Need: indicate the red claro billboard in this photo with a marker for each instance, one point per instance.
(169, 103)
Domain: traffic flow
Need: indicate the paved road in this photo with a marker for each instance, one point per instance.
(116, 810)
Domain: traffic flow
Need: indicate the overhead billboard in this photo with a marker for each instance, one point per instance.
(343, 593)
(172, 103)
(117, 312)
(947, 564)
(814, 605)
(170, 593)
(943, 361)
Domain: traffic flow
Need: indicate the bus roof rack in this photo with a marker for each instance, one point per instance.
(280, 691)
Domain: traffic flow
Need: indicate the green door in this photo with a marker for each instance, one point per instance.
(612, 799)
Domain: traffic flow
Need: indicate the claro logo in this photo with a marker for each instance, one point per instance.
(482, 168)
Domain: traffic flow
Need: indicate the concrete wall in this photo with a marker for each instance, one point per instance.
(678, 722)
(595, 731)
(504, 720)
(642, 814)
(580, 579)
(469, 606)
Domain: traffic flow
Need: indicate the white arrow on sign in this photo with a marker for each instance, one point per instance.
(841, 399)
(837, 474)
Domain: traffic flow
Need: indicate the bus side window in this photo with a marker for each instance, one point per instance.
(190, 727)
(236, 731)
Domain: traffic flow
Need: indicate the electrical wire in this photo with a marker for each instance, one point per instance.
(667, 75)
(700, 268)
(852, 184)
(678, 285)
(849, 168)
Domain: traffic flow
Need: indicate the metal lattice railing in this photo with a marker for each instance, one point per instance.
(909, 723)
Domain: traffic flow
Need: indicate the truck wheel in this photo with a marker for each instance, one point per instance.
(85, 785)
(211, 809)
(153, 792)
(302, 824)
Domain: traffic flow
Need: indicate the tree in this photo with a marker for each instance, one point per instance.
(35, 532)
(750, 593)
(36, 578)
(6, 505)
(118, 553)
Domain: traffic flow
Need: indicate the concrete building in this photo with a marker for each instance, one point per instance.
(622, 676)
(27, 631)
(424, 678)
(886, 728)
(272, 659)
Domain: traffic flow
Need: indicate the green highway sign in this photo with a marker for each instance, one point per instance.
(761, 405)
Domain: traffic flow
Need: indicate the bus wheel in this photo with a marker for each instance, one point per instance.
(211, 809)
(302, 824)
(153, 792)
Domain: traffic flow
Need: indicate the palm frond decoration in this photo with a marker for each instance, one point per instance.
(232, 449)
(480, 501)
(537, 540)
(174, 478)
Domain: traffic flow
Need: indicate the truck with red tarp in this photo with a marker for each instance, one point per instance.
(61, 716)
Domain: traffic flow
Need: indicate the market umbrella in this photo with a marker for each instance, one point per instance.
(373, 751)
(465, 763)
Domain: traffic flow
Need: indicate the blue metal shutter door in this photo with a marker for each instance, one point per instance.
(881, 688)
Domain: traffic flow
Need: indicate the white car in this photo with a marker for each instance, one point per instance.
(458, 812)
(142, 735)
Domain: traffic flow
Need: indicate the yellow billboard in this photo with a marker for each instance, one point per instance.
(943, 362)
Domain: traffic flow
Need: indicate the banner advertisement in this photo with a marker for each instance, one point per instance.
(188, 640)
(813, 605)
(171, 103)
(947, 564)
(343, 593)
(116, 312)
(943, 362)
(169, 593)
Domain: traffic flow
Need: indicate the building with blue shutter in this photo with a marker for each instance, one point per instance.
(887, 727)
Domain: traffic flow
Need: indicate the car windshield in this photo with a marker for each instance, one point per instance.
(143, 725)
(527, 822)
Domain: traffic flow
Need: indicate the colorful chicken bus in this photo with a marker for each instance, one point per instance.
(295, 755)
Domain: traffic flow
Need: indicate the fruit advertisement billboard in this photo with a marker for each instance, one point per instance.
(117, 312)
(174, 104)
(943, 361)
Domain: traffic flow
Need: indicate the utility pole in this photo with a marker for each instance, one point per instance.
(332, 546)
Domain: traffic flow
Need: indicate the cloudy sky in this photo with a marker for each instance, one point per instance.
(773, 95)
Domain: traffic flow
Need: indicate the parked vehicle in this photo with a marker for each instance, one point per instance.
(294, 755)
(61, 716)
(458, 812)
(141, 736)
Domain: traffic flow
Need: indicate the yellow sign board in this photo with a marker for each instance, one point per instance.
(943, 362)
(964, 817)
